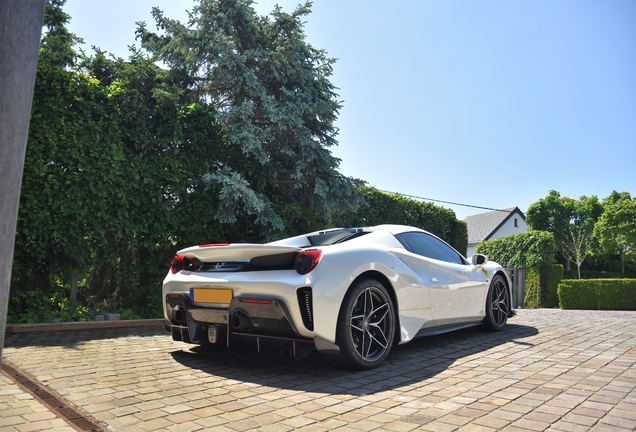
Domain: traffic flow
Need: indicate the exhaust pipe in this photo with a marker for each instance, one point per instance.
(240, 321)
(180, 316)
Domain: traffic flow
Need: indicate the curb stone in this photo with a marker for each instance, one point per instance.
(81, 325)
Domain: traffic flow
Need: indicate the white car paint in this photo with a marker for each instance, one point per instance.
(430, 293)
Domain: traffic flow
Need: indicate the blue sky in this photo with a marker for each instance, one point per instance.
(488, 103)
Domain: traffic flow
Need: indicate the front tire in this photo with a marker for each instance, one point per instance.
(497, 304)
(366, 325)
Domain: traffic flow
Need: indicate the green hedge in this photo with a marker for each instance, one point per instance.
(458, 237)
(597, 274)
(388, 208)
(593, 294)
(530, 249)
(542, 286)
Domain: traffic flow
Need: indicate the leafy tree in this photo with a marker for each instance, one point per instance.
(616, 228)
(169, 144)
(571, 222)
(113, 175)
(127, 161)
(276, 106)
(73, 161)
(616, 196)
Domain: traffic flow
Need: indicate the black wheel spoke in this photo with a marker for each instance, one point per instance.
(367, 341)
(356, 322)
(368, 302)
(376, 322)
(379, 338)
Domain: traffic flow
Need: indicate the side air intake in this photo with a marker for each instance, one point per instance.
(306, 307)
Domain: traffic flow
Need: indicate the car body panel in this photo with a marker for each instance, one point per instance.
(429, 295)
(457, 291)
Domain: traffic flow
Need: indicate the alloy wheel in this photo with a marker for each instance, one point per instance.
(371, 324)
(499, 303)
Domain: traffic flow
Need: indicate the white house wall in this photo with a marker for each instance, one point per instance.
(507, 229)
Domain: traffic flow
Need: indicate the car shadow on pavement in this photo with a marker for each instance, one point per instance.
(407, 364)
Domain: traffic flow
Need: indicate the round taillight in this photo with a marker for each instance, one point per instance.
(180, 262)
(307, 260)
(176, 263)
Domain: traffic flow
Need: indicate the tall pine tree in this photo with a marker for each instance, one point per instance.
(276, 106)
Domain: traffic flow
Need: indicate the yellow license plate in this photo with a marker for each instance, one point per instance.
(210, 295)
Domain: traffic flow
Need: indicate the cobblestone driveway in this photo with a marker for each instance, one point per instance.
(549, 369)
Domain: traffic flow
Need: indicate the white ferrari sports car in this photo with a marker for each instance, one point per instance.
(349, 293)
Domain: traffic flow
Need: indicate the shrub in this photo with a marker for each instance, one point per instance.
(542, 285)
(458, 237)
(530, 249)
(593, 294)
(597, 274)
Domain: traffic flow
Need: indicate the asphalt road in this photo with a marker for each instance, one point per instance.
(548, 370)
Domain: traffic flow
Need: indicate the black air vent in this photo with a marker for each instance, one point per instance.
(306, 307)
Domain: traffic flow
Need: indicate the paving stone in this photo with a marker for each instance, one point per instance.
(506, 415)
(529, 424)
(569, 427)
(492, 422)
(549, 369)
(476, 428)
(298, 421)
(438, 427)
(542, 417)
(619, 422)
(185, 427)
(631, 415)
(21, 411)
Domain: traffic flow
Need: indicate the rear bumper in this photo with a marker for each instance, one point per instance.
(267, 320)
(264, 318)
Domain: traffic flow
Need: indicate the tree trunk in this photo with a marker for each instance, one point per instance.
(623, 261)
(73, 295)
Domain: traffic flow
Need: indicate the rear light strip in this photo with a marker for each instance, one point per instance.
(257, 301)
(305, 261)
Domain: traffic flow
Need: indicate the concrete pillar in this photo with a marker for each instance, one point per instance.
(20, 29)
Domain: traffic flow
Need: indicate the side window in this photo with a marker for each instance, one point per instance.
(429, 246)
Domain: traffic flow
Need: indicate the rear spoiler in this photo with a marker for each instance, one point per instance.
(235, 251)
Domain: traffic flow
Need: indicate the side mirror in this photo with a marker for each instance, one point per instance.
(479, 259)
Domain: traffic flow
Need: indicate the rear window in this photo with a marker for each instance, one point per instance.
(333, 237)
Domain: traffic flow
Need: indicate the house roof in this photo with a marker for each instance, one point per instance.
(482, 226)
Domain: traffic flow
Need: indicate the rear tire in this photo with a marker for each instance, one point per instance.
(497, 304)
(366, 326)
